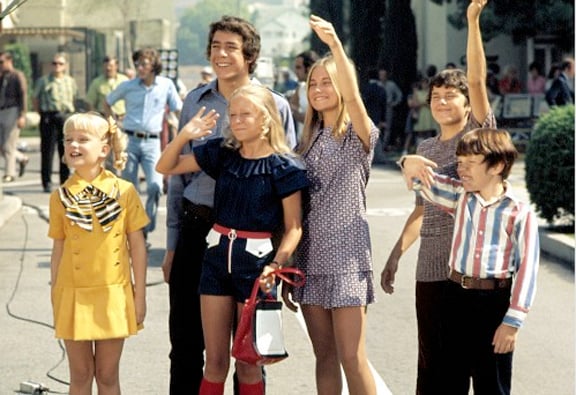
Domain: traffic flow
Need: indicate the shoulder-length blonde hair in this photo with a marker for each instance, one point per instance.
(272, 127)
(313, 119)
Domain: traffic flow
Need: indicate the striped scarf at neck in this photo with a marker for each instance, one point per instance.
(79, 207)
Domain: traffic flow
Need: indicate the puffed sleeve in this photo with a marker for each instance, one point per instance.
(289, 175)
(136, 217)
(56, 217)
(210, 156)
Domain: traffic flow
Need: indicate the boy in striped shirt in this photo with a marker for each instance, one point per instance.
(493, 262)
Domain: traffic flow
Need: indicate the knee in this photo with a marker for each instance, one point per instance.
(107, 377)
(153, 189)
(248, 373)
(352, 362)
(217, 368)
(82, 375)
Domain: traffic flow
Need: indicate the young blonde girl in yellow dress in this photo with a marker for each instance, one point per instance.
(98, 264)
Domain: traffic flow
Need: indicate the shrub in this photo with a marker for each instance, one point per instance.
(550, 165)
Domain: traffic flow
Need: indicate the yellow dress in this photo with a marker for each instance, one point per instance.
(92, 297)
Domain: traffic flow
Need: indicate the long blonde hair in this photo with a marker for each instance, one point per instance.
(313, 119)
(272, 127)
(106, 130)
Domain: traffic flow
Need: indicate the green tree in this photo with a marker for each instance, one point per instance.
(192, 35)
(522, 19)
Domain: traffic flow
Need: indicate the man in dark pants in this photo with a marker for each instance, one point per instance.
(233, 48)
(561, 92)
(54, 96)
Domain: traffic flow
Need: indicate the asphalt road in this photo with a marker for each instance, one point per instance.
(543, 362)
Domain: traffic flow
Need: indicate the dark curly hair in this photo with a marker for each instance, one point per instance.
(250, 37)
(454, 78)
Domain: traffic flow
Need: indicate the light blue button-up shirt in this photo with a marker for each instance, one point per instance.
(145, 105)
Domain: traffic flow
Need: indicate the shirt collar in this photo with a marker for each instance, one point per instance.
(105, 181)
(508, 194)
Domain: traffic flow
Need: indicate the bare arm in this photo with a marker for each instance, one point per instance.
(409, 235)
(476, 62)
(171, 161)
(292, 233)
(347, 81)
(139, 263)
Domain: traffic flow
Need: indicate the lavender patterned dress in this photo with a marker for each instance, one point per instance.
(335, 250)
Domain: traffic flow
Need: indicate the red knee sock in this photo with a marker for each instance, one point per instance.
(252, 389)
(210, 388)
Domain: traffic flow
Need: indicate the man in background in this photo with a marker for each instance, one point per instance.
(375, 100)
(146, 98)
(299, 100)
(54, 96)
(13, 107)
(105, 83)
(561, 92)
(393, 97)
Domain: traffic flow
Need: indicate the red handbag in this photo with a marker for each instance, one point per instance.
(258, 339)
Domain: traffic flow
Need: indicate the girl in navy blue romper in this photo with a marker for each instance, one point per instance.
(258, 187)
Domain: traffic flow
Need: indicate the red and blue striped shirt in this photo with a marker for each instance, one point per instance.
(492, 239)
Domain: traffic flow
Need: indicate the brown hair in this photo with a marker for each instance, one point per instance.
(250, 37)
(494, 144)
(150, 54)
(453, 78)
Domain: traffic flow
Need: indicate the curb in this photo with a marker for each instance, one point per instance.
(557, 245)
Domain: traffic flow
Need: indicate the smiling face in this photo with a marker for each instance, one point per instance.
(321, 93)
(226, 56)
(84, 150)
(475, 173)
(246, 120)
(448, 105)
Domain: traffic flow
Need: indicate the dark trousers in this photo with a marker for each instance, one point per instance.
(51, 136)
(472, 317)
(430, 304)
(185, 322)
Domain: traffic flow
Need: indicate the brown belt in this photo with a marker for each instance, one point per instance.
(479, 283)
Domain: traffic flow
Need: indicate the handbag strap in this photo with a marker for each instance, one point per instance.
(298, 280)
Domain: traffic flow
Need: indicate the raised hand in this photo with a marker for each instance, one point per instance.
(475, 8)
(200, 125)
(324, 30)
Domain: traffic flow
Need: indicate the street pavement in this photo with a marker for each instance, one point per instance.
(543, 362)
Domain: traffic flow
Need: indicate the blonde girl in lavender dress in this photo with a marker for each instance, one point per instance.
(337, 147)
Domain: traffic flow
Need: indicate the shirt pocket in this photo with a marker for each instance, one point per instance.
(259, 247)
